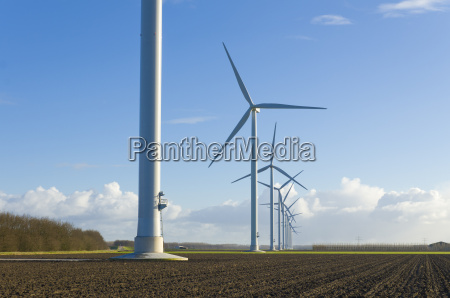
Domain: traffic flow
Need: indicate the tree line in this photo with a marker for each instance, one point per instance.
(204, 246)
(189, 245)
(26, 233)
(120, 244)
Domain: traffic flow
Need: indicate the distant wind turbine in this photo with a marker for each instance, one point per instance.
(284, 213)
(289, 228)
(272, 167)
(280, 203)
(253, 109)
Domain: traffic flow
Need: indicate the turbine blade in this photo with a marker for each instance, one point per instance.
(273, 144)
(233, 133)
(239, 125)
(283, 106)
(238, 77)
(288, 193)
(259, 171)
(268, 204)
(294, 203)
(263, 169)
(267, 185)
(291, 216)
(214, 159)
(293, 220)
(241, 178)
(286, 183)
(287, 175)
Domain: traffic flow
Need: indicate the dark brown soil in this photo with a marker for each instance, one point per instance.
(206, 275)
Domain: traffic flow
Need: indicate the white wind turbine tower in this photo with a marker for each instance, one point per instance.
(272, 167)
(287, 217)
(289, 227)
(149, 242)
(284, 212)
(253, 109)
(280, 202)
(292, 229)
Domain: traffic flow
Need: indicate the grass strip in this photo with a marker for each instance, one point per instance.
(234, 252)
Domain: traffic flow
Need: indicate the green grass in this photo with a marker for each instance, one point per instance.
(231, 252)
(19, 253)
(125, 248)
(307, 252)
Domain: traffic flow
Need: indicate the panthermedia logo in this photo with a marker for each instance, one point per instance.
(191, 149)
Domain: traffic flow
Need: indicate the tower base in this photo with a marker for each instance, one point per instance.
(150, 257)
(255, 248)
(150, 249)
(148, 245)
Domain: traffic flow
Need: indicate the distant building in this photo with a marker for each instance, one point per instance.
(440, 246)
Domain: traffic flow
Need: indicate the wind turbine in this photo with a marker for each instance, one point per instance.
(253, 109)
(289, 228)
(272, 167)
(149, 239)
(280, 200)
(287, 217)
(284, 213)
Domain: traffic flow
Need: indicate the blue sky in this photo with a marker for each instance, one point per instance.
(69, 100)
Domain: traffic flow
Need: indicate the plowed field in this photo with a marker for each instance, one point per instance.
(291, 275)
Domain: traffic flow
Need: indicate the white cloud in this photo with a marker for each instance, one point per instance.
(414, 205)
(107, 212)
(191, 120)
(351, 197)
(230, 203)
(174, 211)
(412, 7)
(358, 209)
(327, 216)
(334, 20)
